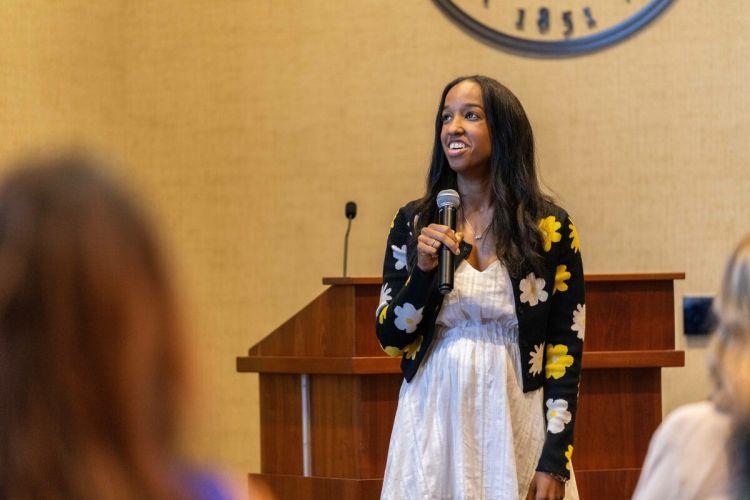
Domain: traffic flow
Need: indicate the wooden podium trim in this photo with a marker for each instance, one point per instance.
(383, 365)
(316, 487)
(376, 280)
(633, 359)
(298, 364)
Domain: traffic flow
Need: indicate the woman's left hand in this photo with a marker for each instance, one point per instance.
(545, 487)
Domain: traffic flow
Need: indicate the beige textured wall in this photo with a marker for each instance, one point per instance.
(61, 70)
(250, 124)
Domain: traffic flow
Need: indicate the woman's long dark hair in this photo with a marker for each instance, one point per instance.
(517, 196)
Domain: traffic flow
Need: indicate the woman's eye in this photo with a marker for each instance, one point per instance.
(471, 115)
(446, 118)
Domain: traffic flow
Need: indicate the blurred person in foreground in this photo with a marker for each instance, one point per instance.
(92, 352)
(702, 450)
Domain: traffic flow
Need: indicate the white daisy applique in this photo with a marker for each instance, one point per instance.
(399, 253)
(537, 359)
(407, 317)
(385, 297)
(579, 321)
(557, 415)
(532, 290)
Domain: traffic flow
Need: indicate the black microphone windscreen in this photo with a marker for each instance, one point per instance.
(350, 210)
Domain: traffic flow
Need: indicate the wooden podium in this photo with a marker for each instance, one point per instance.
(328, 394)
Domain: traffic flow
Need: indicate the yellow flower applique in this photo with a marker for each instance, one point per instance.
(561, 274)
(569, 456)
(383, 312)
(558, 360)
(549, 227)
(575, 243)
(393, 351)
(412, 349)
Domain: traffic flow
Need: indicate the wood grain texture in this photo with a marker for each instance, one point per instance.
(334, 422)
(624, 313)
(377, 410)
(618, 412)
(384, 364)
(299, 364)
(629, 315)
(629, 338)
(376, 280)
(324, 327)
(281, 424)
(365, 303)
(288, 487)
(612, 484)
(633, 359)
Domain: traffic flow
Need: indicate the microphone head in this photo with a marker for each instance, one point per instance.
(448, 198)
(350, 210)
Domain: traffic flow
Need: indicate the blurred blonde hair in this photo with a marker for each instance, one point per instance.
(729, 356)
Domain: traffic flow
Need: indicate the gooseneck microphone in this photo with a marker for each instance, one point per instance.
(448, 202)
(350, 210)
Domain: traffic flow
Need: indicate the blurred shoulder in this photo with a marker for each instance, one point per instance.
(688, 457)
(697, 414)
(697, 420)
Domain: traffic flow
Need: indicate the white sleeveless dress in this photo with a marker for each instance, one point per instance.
(464, 428)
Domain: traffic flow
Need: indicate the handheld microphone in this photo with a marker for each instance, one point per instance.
(350, 210)
(447, 201)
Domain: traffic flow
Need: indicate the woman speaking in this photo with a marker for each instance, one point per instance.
(491, 369)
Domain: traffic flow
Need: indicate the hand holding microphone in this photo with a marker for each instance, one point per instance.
(438, 242)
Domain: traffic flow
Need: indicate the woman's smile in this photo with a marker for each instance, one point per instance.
(456, 147)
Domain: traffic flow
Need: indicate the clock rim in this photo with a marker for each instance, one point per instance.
(585, 44)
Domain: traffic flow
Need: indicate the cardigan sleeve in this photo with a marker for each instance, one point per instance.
(398, 318)
(564, 349)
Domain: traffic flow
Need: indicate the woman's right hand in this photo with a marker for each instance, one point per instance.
(429, 241)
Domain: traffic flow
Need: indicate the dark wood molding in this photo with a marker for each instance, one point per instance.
(372, 365)
(376, 280)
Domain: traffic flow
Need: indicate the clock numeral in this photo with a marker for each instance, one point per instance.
(590, 21)
(568, 22)
(521, 19)
(543, 21)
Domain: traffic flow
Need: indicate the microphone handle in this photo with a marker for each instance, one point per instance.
(447, 216)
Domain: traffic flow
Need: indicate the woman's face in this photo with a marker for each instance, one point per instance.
(465, 136)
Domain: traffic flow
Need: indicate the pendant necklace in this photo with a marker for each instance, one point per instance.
(477, 235)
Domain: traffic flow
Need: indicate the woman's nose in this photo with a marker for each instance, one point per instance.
(455, 127)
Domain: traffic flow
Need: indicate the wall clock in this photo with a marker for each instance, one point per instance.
(552, 27)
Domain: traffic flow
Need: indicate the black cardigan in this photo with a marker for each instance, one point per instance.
(551, 320)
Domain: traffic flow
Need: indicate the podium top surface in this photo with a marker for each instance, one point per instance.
(377, 280)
